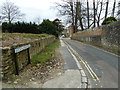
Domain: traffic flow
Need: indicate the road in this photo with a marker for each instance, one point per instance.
(101, 67)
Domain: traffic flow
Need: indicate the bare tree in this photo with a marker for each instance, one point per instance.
(67, 9)
(72, 11)
(76, 17)
(118, 12)
(99, 13)
(84, 15)
(106, 11)
(88, 14)
(113, 10)
(64, 9)
(118, 8)
(94, 13)
(79, 15)
(10, 12)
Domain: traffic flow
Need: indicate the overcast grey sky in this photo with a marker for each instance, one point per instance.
(36, 8)
(39, 8)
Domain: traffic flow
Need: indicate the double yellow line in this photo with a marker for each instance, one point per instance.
(92, 73)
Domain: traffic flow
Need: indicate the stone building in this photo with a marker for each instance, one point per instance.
(70, 31)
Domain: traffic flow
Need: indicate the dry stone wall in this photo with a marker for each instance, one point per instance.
(8, 64)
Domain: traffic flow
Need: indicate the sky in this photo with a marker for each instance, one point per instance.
(44, 9)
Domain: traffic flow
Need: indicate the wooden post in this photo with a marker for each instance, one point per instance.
(15, 61)
(28, 56)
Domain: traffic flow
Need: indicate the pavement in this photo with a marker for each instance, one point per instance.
(70, 79)
(100, 66)
(73, 77)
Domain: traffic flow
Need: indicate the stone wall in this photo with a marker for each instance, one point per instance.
(8, 64)
(96, 39)
(107, 35)
(111, 34)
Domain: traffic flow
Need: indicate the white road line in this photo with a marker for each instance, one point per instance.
(95, 77)
(79, 66)
(84, 84)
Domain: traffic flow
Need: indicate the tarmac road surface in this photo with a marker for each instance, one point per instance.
(101, 67)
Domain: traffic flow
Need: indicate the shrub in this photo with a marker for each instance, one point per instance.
(109, 20)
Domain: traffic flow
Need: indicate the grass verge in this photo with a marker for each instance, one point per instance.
(24, 35)
(47, 54)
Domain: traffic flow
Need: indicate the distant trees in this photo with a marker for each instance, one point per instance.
(19, 27)
(67, 9)
(58, 26)
(71, 10)
(86, 14)
(10, 12)
(49, 27)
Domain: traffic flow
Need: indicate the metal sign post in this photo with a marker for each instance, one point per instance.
(17, 50)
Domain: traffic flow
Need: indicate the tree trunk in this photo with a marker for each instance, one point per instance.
(79, 15)
(94, 12)
(88, 21)
(76, 18)
(106, 11)
(72, 10)
(113, 11)
(98, 22)
(9, 20)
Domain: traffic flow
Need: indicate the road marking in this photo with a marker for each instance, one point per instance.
(84, 82)
(92, 73)
(75, 58)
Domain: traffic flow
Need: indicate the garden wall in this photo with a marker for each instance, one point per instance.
(107, 35)
(111, 34)
(8, 62)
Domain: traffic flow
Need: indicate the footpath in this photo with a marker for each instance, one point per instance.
(73, 76)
